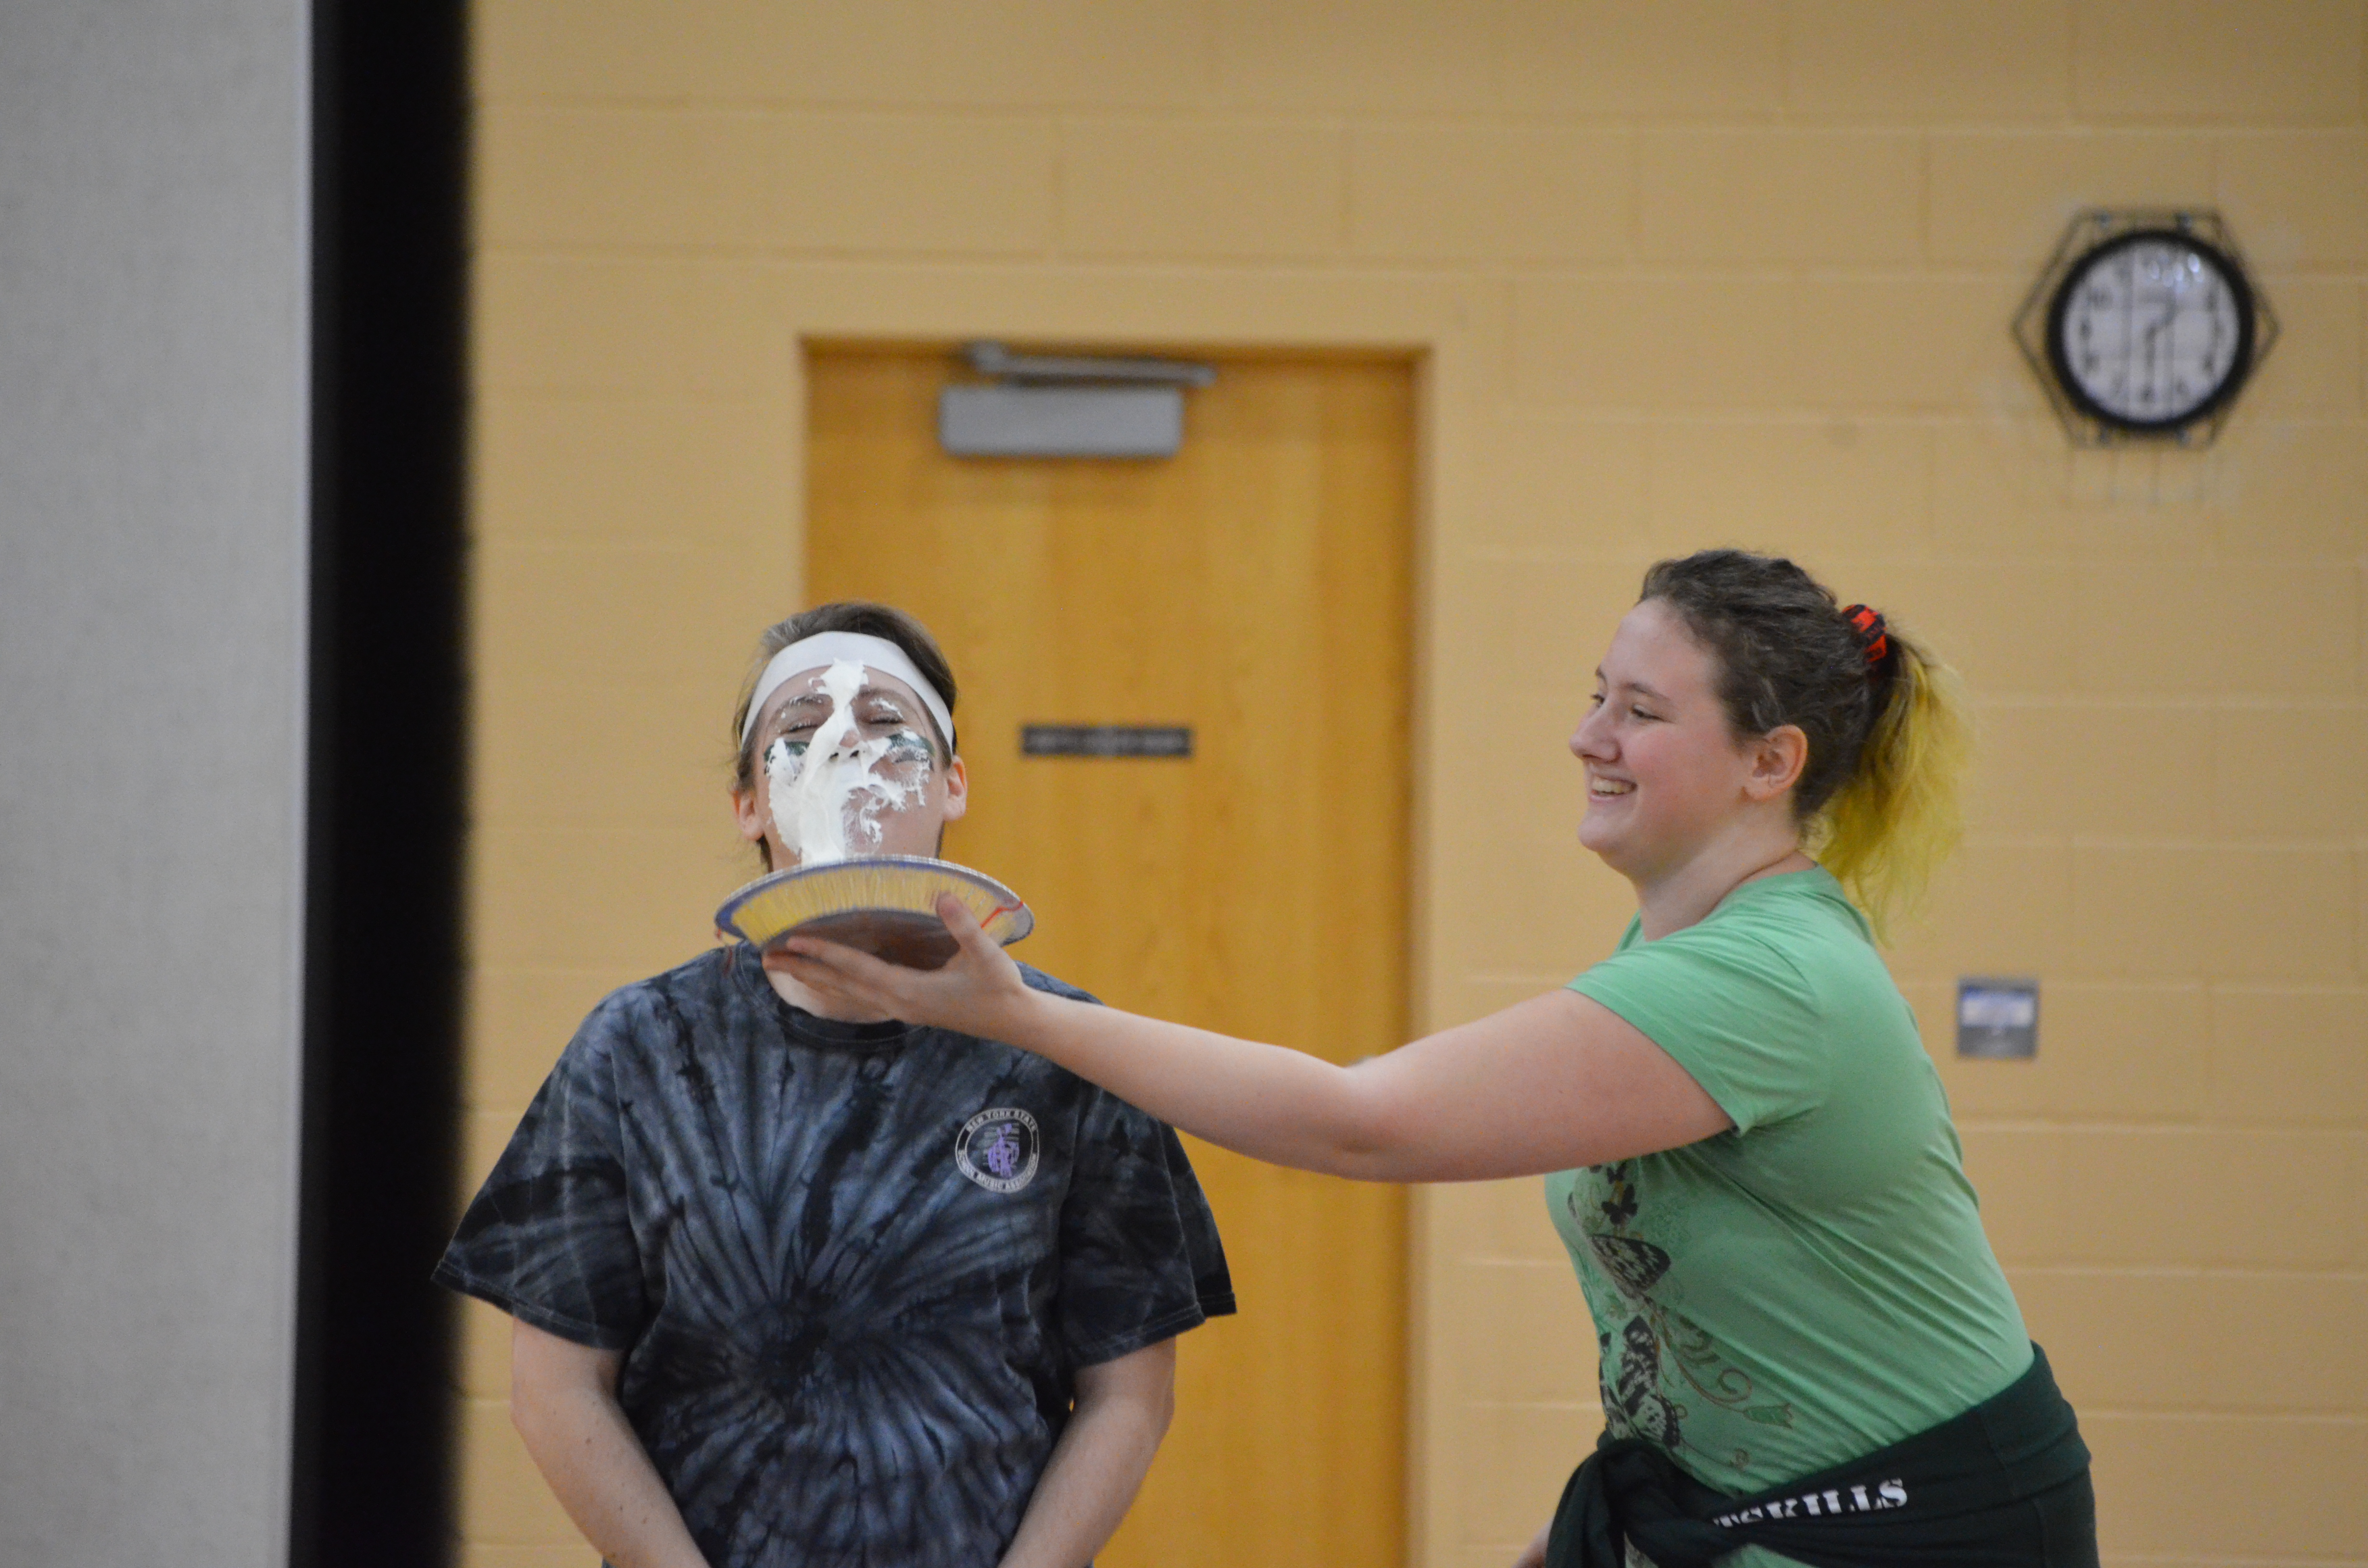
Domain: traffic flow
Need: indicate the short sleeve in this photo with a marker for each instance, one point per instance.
(549, 1238)
(1140, 1257)
(1732, 1010)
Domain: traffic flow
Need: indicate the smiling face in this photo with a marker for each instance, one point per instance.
(846, 765)
(1667, 778)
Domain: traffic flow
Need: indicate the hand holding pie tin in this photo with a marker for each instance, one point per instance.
(885, 905)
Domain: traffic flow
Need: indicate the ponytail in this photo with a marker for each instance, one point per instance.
(1897, 815)
(1886, 721)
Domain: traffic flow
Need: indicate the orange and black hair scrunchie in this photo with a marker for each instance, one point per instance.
(1873, 634)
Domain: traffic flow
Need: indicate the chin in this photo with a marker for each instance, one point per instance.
(1609, 854)
(1598, 840)
(1608, 843)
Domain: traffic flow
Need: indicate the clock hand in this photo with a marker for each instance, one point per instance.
(2153, 334)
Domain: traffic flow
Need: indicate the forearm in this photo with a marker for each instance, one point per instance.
(1089, 1483)
(1274, 1103)
(598, 1468)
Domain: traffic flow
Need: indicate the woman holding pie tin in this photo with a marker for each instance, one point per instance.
(1809, 1353)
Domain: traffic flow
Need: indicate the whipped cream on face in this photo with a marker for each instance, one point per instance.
(828, 798)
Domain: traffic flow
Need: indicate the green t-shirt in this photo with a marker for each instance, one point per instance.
(1813, 1284)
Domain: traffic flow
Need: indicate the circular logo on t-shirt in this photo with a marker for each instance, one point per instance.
(997, 1149)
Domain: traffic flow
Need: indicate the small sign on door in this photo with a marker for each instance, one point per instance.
(1998, 1017)
(1106, 740)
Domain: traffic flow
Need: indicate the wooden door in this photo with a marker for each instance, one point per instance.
(1255, 587)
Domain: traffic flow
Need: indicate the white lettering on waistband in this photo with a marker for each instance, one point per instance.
(1887, 1494)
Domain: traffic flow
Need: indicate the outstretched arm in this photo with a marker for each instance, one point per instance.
(1550, 1083)
(1122, 1411)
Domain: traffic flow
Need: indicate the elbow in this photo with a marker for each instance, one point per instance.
(1376, 1137)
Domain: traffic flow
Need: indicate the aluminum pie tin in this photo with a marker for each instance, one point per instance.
(886, 905)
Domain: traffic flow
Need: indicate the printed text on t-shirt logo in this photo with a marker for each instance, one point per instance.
(998, 1149)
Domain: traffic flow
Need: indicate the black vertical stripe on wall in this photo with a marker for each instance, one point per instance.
(370, 1448)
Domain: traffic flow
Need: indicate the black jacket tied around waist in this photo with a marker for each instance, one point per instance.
(2004, 1485)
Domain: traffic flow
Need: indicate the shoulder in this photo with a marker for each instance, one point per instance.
(1724, 951)
(1804, 904)
(1037, 980)
(706, 979)
(1810, 928)
(693, 994)
(1797, 933)
(1799, 959)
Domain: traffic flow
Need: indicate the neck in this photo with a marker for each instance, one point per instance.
(1673, 899)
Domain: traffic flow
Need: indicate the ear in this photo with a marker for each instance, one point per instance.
(1777, 758)
(957, 778)
(748, 813)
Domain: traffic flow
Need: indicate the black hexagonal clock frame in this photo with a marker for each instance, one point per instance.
(2097, 235)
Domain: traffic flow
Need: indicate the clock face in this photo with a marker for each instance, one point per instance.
(2151, 330)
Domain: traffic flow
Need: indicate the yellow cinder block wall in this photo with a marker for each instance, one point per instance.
(1680, 272)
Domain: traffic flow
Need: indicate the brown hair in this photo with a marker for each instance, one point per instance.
(1887, 736)
(859, 616)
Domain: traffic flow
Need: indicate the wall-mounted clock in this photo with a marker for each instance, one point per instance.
(2145, 325)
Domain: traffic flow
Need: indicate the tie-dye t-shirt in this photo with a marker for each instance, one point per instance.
(853, 1268)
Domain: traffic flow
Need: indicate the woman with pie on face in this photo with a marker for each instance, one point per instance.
(1808, 1352)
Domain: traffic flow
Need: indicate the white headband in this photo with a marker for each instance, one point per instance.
(826, 648)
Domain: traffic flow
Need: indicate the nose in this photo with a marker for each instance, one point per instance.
(1587, 742)
(845, 734)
